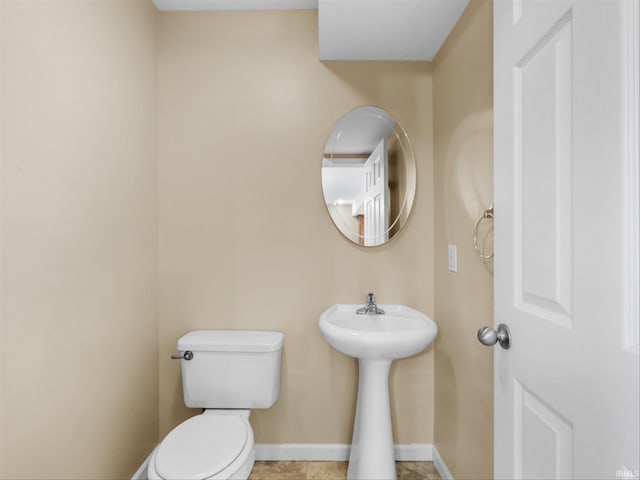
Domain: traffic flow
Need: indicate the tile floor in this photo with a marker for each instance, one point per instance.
(333, 471)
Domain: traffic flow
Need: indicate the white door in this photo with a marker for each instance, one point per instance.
(566, 220)
(376, 196)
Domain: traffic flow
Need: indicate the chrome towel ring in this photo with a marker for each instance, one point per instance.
(488, 213)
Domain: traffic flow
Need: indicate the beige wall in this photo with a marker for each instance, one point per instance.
(79, 238)
(242, 99)
(245, 109)
(463, 156)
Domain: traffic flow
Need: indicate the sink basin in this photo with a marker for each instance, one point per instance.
(376, 341)
(399, 332)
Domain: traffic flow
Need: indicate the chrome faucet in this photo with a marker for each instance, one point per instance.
(371, 307)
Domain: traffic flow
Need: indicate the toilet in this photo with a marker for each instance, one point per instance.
(228, 373)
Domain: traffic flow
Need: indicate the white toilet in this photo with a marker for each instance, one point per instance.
(228, 373)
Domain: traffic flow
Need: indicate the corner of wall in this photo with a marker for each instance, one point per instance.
(463, 173)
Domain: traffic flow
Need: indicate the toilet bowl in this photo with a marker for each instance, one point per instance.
(216, 445)
(227, 373)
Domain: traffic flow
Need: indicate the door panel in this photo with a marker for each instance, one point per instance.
(376, 196)
(543, 438)
(566, 392)
(542, 155)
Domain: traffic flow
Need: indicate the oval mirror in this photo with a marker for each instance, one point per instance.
(368, 176)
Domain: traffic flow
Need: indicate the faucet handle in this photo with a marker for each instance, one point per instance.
(371, 298)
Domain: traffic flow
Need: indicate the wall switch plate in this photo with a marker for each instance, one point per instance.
(453, 258)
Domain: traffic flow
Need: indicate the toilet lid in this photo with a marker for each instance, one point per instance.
(201, 447)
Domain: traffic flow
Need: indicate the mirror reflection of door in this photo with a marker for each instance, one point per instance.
(376, 196)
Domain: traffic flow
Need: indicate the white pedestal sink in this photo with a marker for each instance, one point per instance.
(375, 340)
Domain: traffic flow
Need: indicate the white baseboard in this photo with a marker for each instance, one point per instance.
(411, 452)
(141, 473)
(438, 462)
(302, 451)
(417, 452)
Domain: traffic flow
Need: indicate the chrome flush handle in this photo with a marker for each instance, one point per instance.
(188, 355)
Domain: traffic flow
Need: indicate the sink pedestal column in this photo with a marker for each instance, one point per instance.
(372, 456)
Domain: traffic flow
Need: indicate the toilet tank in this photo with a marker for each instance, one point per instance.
(231, 368)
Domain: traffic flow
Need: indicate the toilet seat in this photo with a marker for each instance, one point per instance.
(203, 447)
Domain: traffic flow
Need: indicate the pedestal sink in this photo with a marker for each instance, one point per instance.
(375, 340)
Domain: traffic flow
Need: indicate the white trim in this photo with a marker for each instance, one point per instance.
(1, 219)
(339, 452)
(413, 452)
(630, 46)
(302, 451)
(441, 467)
(141, 473)
(201, 5)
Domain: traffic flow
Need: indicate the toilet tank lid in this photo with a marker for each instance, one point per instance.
(231, 341)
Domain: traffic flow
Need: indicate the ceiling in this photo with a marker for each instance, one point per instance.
(360, 29)
(385, 29)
